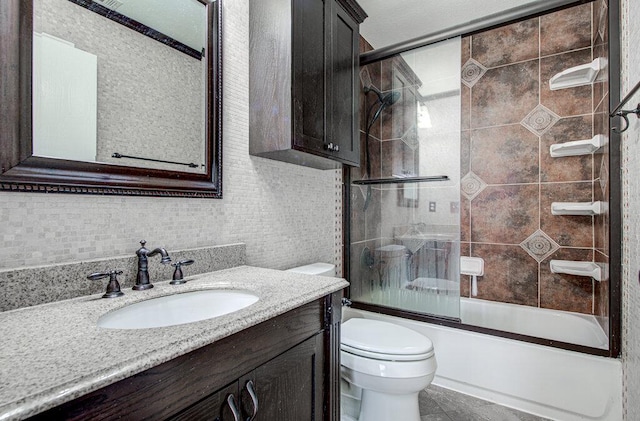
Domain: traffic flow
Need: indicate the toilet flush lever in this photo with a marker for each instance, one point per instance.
(346, 302)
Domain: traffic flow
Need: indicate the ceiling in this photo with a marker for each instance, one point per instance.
(438, 65)
(391, 22)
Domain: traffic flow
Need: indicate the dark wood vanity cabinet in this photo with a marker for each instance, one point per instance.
(285, 388)
(292, 362)
(304, 81)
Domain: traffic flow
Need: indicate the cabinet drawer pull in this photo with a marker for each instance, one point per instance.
(231, 401)
(254, 399)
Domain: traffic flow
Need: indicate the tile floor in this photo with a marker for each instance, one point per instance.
(439, 404)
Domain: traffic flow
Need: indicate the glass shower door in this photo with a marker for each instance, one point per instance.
(404, 201)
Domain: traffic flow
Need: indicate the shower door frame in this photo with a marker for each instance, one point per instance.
(615, 186)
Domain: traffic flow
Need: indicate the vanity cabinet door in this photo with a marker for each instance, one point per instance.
(212, 408)
(289, 387)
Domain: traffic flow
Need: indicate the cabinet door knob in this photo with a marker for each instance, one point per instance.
(254, 400)
(333, 147)
(231, 401)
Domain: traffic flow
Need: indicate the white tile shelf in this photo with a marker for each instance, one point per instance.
(570, 267)
(584, 74)
(578, 147)
(578, 208)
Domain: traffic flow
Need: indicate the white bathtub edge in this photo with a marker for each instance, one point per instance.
(613, 412)
(548, 382)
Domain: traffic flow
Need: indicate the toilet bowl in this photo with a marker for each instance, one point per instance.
(383, 366)
(390, 364)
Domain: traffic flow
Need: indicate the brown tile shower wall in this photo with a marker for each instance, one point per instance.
(510, 117)
(509, 120)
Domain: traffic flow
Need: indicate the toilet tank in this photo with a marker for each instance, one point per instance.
(319, 269)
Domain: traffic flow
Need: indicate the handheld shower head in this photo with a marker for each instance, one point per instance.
(373, 89)
(390, 98)
(385, 99)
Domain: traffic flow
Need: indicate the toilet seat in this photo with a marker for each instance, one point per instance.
(384, 341)
(385, 357)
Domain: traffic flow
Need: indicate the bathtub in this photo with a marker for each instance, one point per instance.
(545, 381)
(580, 329)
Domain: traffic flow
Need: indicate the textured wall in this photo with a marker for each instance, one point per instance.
(286, 214)
(630, 54)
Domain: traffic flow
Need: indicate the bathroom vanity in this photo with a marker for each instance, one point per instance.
(278, 356)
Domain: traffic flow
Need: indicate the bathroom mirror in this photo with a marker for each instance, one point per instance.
(104, 102)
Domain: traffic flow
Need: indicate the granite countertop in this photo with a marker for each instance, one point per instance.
(53, 353)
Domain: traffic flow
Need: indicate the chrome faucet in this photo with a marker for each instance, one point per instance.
(142, 280)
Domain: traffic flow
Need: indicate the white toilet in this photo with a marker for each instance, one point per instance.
(383, 365)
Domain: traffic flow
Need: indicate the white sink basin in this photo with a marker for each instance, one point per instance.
(178, 309)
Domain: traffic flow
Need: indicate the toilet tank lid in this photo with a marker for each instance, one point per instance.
(321, 269)
(383, 337)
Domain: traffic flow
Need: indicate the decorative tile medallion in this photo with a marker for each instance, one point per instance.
(602, 21)
(539, 245)
(410, 138)
(540, 119)
(413, 238)
(604, 176)
(471, 185)
(365, 78)
(472, 71)
(361, 189)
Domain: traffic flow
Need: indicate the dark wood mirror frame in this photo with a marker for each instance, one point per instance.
(23, 172)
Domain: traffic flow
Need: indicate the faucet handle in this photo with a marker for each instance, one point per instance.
(113, 287)
(177, 274)
(142, 251)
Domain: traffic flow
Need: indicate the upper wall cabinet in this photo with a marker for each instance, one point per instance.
(303, 86)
